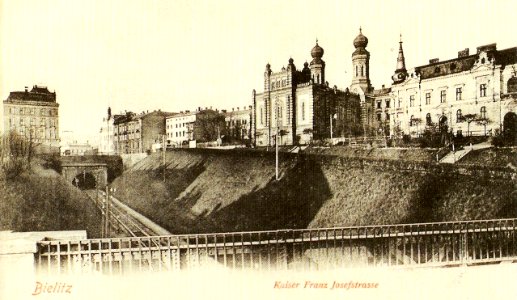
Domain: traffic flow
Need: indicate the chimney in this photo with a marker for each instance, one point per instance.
(383, 86)
(26, 89)
(463, 53)
(434, 60)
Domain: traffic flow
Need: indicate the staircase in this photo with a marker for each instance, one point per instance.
(455, 156)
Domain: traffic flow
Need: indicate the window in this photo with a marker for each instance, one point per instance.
(459, 117)
(288, 109)
(356, 71)
(21, 122)
(303, 110)
(443, 96)
(400, 103)
(482, 90)
(427, 98)
(411, 120)
(512, 85)
(379, 104)
(428, 119)
(412, 100)
(379, 117)
(261, 116)
(458, 93)
(482, 112)
(387, 116)
(387, 103)
(362, 71)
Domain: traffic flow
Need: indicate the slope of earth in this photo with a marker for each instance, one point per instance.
(41, 200)
(220, 191)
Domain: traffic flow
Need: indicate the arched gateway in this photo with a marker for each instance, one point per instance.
(85, 175)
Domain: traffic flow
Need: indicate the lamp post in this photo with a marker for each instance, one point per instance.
(332, 116)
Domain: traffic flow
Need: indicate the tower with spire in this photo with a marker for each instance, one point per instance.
(360, 65)
(317, 65)
(401, 72)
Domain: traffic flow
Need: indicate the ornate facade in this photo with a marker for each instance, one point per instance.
(298, 106)
(473, 94)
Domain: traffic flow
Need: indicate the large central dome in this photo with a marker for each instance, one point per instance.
(360, 41)
(317, 51)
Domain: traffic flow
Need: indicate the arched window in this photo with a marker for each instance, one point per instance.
(428, 119)
(482, 112)
(362, 71)
(512, 85)
(356, 70)
(459, 117)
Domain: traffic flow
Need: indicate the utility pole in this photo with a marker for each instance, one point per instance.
(163, 156)
(107, 218)
(276, 138)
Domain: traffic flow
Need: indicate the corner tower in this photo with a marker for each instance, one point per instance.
(360, 65)
(317, 65)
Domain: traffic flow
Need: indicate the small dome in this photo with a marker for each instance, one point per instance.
(317, 51)
(360, 41)
(291, 61)
(268, 66)
(305, 64)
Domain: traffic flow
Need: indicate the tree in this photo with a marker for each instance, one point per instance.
(209, 126)
(483, 122)
(417, 122)
(308, 131)
(282, 133)
(15, 154)
(469, 118)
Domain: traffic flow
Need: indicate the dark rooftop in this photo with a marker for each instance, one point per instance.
(461, 64)
(38, 93)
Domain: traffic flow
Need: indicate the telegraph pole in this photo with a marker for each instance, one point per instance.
(276, 138)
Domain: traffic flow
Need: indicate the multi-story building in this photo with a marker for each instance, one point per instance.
(107, 136)
(299, 106)
(473, 94)
(34, 115)
(202, 125)
(238, 123)
(179, 128)
(137, 133)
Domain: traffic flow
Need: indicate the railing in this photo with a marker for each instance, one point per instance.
(426, 244)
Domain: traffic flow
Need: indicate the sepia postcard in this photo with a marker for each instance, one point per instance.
(202, 149)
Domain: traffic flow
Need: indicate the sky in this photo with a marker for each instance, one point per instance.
(180, 55)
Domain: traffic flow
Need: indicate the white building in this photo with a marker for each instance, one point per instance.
(482, 85)
(179, 128)
(106, 137)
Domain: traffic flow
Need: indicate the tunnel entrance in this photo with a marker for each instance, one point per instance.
(85, 181)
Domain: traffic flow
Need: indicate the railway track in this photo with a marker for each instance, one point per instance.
(120, 217)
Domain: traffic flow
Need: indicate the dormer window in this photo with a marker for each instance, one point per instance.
(437, 70)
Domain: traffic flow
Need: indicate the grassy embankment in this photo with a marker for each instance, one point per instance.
(41, 200)
(230, 191)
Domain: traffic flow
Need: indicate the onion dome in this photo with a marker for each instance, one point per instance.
(317, 51)
(360, 41)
